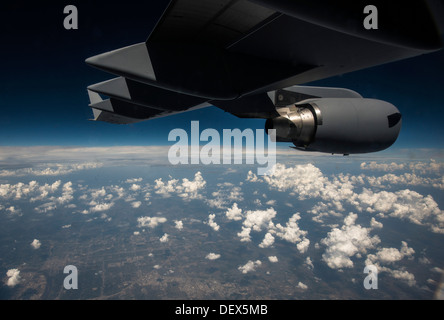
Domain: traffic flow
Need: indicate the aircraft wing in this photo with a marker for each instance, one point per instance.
(233, 53)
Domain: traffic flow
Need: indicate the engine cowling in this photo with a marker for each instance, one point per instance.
(338, 125)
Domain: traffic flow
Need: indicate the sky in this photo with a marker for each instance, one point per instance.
(44, 79)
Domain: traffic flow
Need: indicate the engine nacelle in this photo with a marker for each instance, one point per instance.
(338, 125)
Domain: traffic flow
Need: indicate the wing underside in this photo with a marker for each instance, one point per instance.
(231, 53)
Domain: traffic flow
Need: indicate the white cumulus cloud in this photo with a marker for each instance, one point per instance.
(268, 241)
(257, 220)
(308, 182)
(250, 266)
(212, 256)
(188, 189)
(302, 286)
(234, 213)
(292, 233)
(13, 277)
(101, 207)
(226, 193)
(164, 238)
(36, 244)
(151, 222)
(386, 256)
(350, 240)
(136, 204)
(179, 224)
(212, 223)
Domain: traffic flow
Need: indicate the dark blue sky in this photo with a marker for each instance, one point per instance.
(43, 96)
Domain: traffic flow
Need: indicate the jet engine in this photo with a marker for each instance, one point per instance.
(338, 125)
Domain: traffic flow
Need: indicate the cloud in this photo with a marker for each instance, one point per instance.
(375, 224)
(273, 259)
(292, 233)
(250, 266)
(188, 189)
(390, 255)
(179, 224)
(403, 204)
(252, 177)
(305, 180)
(406, 179)
(101, 207)
(382, 166)
(118, 191)
(45, 190)
(385, 257)
(350, 240)
(51, 170)
(151, 222)
(303, 245)
(308, 182)
(13, 277)
(212, 256)
(259, 219)
(164, 238)
(244, 235)
(136, 204)
(226, 193)
(105, 217)
(79, 157)
(36, 244)
(421, 167)
(333, 196)
(135, 187)
(14, 211)
(302, 286)
(268, 241)
(211, 222)
(33, 192)
(98, 193)
(234, 213)
(309, 263)
(403, 275)
(67, 194)
(165, 188)
(256, 220)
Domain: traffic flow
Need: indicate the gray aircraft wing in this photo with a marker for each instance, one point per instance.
(233, 53)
